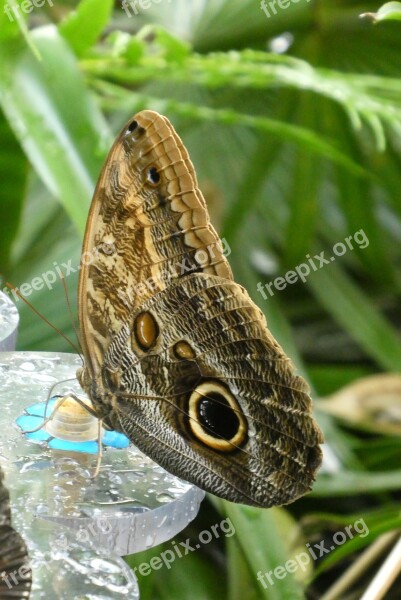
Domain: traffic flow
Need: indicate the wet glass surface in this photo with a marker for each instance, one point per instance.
(133, 504)
(9, 320)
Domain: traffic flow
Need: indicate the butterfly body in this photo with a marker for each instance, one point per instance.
(177, 355)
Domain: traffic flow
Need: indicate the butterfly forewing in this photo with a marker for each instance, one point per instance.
(147, 224)
(176, 352)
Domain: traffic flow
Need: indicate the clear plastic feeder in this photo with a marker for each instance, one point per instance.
(9, 319)
(132, 505)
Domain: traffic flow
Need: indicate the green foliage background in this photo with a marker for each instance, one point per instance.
(295, 151)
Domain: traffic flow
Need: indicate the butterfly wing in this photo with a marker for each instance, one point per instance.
(15, 573)
(180, 354)
(215, 400)
(147, 224)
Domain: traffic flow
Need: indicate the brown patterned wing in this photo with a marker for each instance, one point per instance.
(215, 400)
(177, 355)
(15, 573)
(147, 225)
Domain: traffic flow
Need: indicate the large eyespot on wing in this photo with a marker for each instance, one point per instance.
(148, 224)
(215, 418)
(15, 573)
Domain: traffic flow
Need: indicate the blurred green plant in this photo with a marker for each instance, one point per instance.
(391, 11)
(294, 126)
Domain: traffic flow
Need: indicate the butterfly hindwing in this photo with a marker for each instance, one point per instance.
(215, 399)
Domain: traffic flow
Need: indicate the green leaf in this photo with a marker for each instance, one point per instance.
(8, 26)
(61, 129)
(247, 194)
(354, 483)
(13, 21)
(190, 576)
(305, 138)
(83, 27)
(13, 169)
(124, 45)
(241, 582)
(47, 244)
(330, 378)
(272, 534)
(391, 11)
(368, 101)
(304, 208)
(202, 580)
(175, 50)
(357, 314)
(358, 542)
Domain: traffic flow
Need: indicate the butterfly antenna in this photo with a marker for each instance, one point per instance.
(16, 291)
(71, 314)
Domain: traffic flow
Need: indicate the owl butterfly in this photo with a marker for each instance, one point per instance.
(177, 356)
(15, 574)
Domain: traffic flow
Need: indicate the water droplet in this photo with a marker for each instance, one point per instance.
(165, 497)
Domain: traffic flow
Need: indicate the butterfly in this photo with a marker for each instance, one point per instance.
(177, 355)
(15, 573)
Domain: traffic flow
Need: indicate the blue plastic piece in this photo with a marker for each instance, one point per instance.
(38, 409)
(86, 447)
(26, 423)
(115, 439)
(34, 417)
